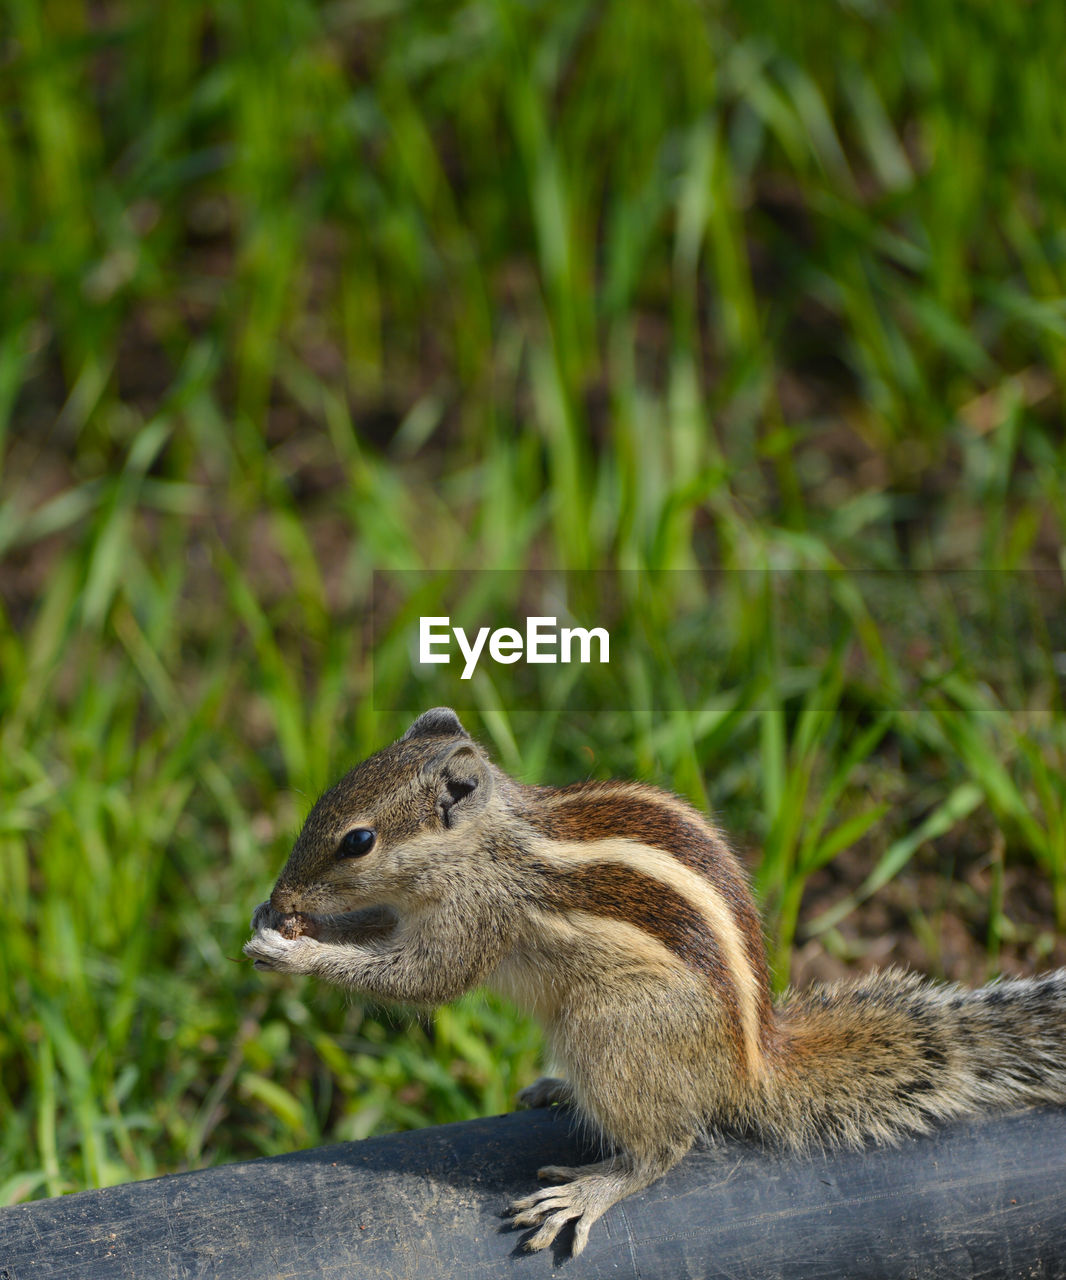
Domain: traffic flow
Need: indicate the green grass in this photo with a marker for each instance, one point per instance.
(294, 292)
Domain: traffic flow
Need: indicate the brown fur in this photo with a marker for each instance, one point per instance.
(620, 917)
(620, 893)
(590, 811)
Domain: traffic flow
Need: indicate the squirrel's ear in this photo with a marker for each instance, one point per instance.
(462, 782)
(438, 722)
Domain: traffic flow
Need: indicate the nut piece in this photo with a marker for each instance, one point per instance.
(293, 925)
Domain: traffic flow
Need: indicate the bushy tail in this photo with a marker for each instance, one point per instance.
(895, 1053)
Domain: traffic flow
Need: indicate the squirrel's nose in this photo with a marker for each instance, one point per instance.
(283, 899)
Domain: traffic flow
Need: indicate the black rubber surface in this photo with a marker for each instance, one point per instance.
(984, 1199)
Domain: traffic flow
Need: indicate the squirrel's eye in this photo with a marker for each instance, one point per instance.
(356, 843)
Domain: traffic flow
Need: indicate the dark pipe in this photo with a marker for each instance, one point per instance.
(985, 1198)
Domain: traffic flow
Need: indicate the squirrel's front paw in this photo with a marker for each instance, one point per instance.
(546, 1091)
(270, 950)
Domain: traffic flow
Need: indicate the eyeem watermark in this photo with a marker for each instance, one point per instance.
(543, 641)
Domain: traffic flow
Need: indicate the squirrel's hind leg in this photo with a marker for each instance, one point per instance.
(587, 1194)
(568, 1172)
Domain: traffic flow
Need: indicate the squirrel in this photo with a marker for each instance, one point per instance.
(618, 915)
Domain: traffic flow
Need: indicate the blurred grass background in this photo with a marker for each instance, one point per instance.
(290, 292)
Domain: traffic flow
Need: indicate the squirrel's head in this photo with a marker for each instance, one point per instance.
(390, 829)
